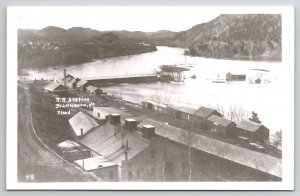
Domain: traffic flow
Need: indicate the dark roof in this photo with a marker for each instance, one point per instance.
(219, 120)
(205, 112)
(249, 126)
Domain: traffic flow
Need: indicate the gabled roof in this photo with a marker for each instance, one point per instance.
(248, 125)
(249, 158)
(82, 82)
(55, 87)
(205, 112)
(106, 141)
(219, 120)
(82, 121)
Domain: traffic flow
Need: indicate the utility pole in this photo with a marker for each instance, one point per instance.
(65, 75)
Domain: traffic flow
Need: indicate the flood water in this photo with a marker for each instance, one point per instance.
(268, 99)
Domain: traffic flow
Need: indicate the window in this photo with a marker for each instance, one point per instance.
(98, 114)
(111, 175)
(129, 175)
(152, 154)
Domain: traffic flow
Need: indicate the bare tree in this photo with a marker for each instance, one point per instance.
(188, 138)
(277, 139)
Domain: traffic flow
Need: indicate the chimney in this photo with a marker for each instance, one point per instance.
(130, 124)
(148, 131)
(81, 131)
(65, 77)
(115, 119)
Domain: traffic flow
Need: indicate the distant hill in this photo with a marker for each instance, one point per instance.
(54, 46)
(229, 36)
(246, 36)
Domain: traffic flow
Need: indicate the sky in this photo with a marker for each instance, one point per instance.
(145, 19)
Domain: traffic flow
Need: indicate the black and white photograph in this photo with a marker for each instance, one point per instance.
(150, 98)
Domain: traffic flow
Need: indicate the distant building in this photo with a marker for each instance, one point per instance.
(101, 167)
(221, 125)
(166, 158)
(100, 113)
(93, 90)
(199, 118)
(40, 82)
(160, 107)
(82, 84)
(72, 82)
(235, 77)
(82, 123)
(253, 131)
(55, 88)
(181, 112)
(117, 144)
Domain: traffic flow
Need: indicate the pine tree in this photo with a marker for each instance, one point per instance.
(254, 117)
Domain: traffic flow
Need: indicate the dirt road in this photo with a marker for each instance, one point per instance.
(35, 162)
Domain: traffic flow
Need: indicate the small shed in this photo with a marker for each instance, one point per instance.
(221, 125)
(82, 84)
(93, 90)
(82, 123)
(199, 118)
(147, 104)
(256, 132)
(55, 88)
(181, 112)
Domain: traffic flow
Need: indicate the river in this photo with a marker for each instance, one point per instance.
(268, 99)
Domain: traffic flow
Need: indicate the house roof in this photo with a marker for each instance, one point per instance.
(94, 163)
(82, 121)
(55, 87)
(249, 158)
(249, 125)
(107, 142)
(205, 112)
(82, 82)
(219, 120)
